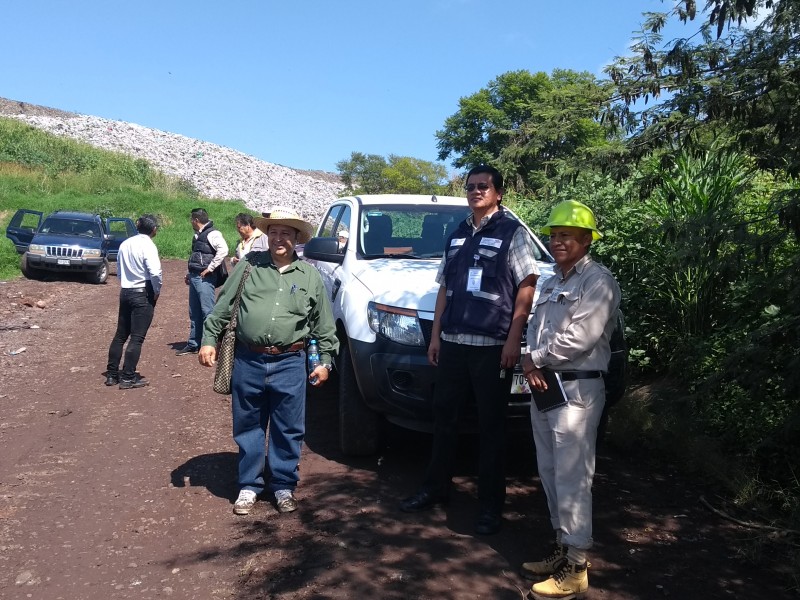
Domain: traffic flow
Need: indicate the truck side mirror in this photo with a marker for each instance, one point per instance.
(325, 249)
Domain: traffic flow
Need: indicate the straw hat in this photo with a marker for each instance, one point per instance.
(286, 216)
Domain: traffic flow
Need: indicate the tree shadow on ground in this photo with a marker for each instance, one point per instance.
(652, 537)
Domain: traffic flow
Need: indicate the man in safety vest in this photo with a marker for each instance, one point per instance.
(487, 279)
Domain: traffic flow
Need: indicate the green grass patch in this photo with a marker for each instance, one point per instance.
(39, 171)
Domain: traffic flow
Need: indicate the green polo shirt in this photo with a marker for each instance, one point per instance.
(277, 308)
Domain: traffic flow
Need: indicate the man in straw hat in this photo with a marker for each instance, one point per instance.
(283, 301)
(569, 342)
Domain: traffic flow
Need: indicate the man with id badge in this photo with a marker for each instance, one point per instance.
(568, 352)
(487, 279)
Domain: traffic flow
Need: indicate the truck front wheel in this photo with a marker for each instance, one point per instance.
(99, 275)
(358, 424)
(29, 271)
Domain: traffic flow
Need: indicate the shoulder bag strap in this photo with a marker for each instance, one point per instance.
(235, 310)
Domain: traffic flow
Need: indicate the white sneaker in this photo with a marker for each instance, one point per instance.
(245, 502)
(285, 501)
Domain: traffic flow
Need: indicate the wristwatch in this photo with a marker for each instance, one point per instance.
(328, 366)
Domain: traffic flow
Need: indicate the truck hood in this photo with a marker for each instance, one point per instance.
(404, 283)
(412, 283)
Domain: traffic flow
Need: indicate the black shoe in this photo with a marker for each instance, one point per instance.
(112, 379)
(187, 349)
(422, 500)
(137, 382)
(488, 522)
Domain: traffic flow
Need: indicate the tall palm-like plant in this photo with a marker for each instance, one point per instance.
(698, 217)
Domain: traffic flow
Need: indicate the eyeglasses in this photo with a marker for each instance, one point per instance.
(481, 187)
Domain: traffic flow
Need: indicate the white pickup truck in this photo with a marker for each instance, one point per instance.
(380, 277)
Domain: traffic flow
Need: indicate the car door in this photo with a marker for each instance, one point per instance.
(119, 229)
(22, 227)
(336, 220)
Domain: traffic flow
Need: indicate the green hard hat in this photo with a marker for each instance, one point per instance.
(572, 213)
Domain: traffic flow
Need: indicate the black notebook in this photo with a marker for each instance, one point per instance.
(553, 396)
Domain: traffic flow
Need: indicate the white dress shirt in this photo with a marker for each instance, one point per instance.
(138, 262)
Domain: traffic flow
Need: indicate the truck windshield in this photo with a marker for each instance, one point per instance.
(413, 231)
(70, 227)
(408, 231)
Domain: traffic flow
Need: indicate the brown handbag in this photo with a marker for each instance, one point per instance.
(227, 343)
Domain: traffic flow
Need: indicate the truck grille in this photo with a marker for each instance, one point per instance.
(65, 251)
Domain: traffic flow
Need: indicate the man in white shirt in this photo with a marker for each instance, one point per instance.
(139, 273)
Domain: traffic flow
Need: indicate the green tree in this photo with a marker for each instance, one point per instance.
(406, 175)
(374, 174)
(746, 81)
(484, 122)
(537, 129)
(363, 173)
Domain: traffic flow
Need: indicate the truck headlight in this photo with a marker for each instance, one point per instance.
(37, 249)
(92, 253)
(399, 325)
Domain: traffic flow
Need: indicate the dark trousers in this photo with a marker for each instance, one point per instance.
(136, 307)
(470, 373)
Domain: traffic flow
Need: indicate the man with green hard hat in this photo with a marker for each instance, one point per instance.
(569, 350)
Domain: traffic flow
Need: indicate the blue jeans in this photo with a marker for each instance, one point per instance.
(268, 391)
(135, 315)
(202, 296)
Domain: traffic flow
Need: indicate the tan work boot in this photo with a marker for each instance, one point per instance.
(547, 566)
(572, 581)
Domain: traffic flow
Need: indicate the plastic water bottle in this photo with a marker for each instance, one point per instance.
(312, 352)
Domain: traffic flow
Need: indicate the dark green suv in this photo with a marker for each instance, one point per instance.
(70, 242)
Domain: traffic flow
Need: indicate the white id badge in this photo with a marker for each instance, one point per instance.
(474, 279)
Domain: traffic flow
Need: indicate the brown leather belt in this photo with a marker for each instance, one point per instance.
(276, 349)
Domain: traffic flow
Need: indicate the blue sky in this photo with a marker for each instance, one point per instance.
(301, 84)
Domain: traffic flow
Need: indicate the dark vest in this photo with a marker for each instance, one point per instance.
(202, 252)
(488, 311)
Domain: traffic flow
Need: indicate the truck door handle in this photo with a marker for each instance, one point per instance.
(335, 291)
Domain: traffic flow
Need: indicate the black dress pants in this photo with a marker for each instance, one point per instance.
(136, 307)
(470, 373)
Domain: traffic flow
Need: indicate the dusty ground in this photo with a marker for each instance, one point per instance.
(109, 494)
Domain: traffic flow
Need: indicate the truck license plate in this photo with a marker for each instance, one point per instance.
(63, 261)
(519, 385)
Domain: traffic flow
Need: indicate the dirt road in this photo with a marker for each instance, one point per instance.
(110, 494)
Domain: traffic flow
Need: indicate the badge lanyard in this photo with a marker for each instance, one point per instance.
(475, 275)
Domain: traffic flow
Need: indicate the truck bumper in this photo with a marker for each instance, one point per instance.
(398, 382)
(53, 263)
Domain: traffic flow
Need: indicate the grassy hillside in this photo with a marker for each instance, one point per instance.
(44, 172)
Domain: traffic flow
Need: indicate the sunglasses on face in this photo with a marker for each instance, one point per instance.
(481, 187)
